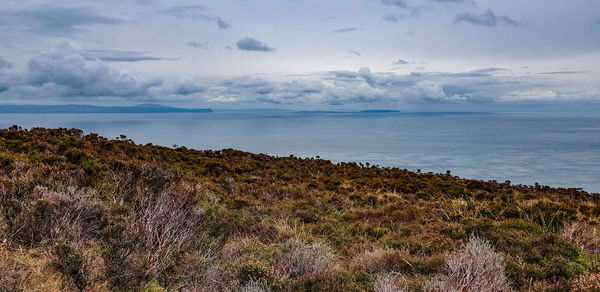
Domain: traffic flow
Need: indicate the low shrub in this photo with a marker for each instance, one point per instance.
(301, 259)
(477, 267)
(387, 283)
(70, 262)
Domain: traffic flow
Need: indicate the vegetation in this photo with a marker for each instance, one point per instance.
(85, 213)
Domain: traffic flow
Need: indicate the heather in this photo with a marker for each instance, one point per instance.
(86, 213)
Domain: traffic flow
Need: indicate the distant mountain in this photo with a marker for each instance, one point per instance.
(78, 108)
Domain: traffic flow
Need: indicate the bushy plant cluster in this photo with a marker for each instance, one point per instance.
(85, 213)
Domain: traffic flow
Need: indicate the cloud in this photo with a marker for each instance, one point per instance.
(198, 45)
(4, 63)
(392, 18)
(63, 73)
(397, 3)
(562, 72)
(59, 20)
(451, 1)
(485, 72)
(416, 8)
(344, 74)
(186, 85)
(489, 18)
(432, 90)
(250, 44)
(529, 95)
(196, 12)
(366, 74)
(119, 56)
(65, 68)
(400, 62)
(346, 29)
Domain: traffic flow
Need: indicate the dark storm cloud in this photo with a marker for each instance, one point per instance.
(196, 13)
(250, 44)
(489, 18)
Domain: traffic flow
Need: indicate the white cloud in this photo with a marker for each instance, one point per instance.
(432, 90)
(529, 95)
(65, 67)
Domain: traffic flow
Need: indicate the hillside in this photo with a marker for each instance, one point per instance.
(82, 212)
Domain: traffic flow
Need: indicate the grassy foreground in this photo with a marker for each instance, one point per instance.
(82, 212)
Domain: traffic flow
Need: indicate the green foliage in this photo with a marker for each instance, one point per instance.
(71, 264)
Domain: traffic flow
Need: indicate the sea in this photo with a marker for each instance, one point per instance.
(559, 150)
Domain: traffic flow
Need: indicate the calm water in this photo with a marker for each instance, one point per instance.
(556, 150)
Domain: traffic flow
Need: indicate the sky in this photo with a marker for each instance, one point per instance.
(422, 55)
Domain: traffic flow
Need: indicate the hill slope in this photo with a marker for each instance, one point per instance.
(84, 212)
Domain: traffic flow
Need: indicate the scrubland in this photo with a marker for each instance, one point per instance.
(85, 213)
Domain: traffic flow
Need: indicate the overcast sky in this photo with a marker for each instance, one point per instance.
(303, 54)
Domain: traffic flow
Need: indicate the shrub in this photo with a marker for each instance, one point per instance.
(255, 286)
(301, 259)
(395, 261)
(256, 272)
(475, 268)
(387, 283)
(584, 236)
(328, 282)
(71, 264)
(150, 244)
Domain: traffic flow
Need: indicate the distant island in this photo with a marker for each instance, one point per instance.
(85, 109)
(379, 111)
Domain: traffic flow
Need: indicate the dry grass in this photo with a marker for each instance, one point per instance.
(585, 236)
(477, 267)
(388, 283)
(29, 269)
(302, 259)
(587, 283)
(255, 286)
(375, 261)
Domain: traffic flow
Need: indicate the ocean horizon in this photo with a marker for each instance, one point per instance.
(558, 150)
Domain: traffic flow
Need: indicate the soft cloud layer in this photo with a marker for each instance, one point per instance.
(63, 73)
(196, 13)
(309, 54)
(489, 18)
(58, 20)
